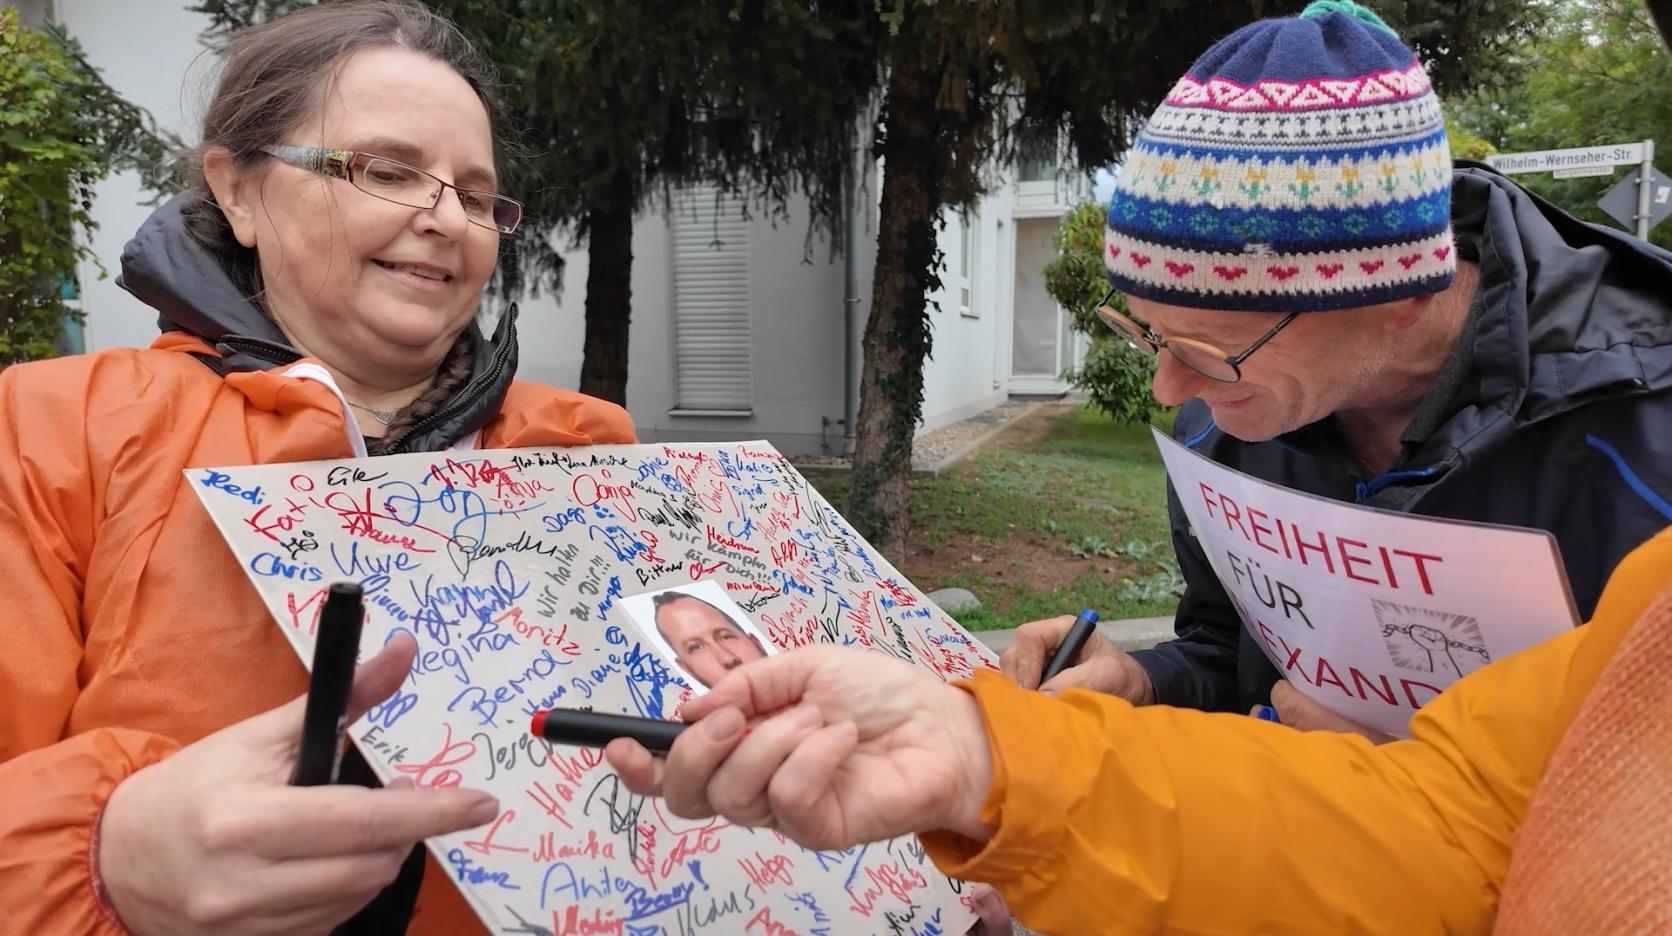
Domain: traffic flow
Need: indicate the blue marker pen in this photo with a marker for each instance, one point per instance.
(1069, 649)
(1267, 713)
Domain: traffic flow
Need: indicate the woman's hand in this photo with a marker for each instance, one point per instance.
(213, 839)
(841, 747)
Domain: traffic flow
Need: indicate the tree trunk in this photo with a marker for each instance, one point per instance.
(897, 335)
(609, 293)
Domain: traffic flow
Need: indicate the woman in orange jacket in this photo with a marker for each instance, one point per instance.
(1531, 798)
(318, 293)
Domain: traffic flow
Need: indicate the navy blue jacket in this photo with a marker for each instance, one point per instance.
(1557, 414)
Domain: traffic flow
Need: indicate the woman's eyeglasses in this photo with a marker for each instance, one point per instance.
(400, 183)
(1199, 356)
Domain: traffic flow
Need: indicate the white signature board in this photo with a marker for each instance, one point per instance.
(1369, 612)
(511, 569)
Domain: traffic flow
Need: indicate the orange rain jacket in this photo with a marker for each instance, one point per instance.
(1112, 819)
(127, 628)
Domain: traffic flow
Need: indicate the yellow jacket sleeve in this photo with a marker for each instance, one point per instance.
(1111, 819)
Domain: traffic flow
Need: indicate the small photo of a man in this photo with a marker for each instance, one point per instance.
(700, 629)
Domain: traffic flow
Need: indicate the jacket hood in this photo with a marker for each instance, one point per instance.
(165, 268)
(1573, 312)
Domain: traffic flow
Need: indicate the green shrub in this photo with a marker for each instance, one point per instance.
(1114, 375)
(62, 129)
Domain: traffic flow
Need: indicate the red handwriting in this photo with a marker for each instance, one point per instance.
(284, 521)
(650, 542)
(367, 531)
(712, 500)
(548, 850)
(553, 805)
(888, 879)
(898, 883)
(572, 769)
(556, 641)
(701, 842)
(687, 477)
(359, 519)
(554, 802)
(786, 633)
(784, 552)
(767, 869)
(772, 927)
(510, 492)
(445, 775)
(698, 570)
(684, 697)
(716, 538)
(901, 596)
(316, 599)
(589, 491)
(945, 664)
(698, 459)
(486, 845)
(571, 923)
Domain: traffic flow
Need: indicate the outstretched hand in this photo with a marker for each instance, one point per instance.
(832, 747)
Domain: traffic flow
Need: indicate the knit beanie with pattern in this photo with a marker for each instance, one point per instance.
(1300, 165)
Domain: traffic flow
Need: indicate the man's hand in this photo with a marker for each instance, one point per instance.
(1297, 711)
(992, 914)
(1100, 667)
(841, 747)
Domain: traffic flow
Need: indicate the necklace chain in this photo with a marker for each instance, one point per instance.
(383, 416)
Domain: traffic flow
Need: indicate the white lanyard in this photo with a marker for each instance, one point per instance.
(310, 371)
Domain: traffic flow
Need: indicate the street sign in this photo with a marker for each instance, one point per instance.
(1583, 157)
(1622, 201)
(1582, 173)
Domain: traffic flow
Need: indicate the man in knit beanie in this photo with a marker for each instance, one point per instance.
(1340, 310)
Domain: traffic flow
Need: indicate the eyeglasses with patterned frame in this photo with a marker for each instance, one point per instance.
(397, 182)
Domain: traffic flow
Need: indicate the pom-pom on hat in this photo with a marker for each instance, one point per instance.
(1300, 165)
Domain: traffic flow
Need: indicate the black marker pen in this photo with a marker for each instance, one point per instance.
(335, 651)
(1069, 649)
(597, 729)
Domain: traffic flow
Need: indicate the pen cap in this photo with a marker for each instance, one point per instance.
(343, 596)
(1089, 615)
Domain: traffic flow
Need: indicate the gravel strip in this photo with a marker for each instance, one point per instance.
(931, 452)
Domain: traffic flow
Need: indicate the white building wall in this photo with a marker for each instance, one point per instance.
(796, 333)
(961, 378)
(30, 12)
(150, 52)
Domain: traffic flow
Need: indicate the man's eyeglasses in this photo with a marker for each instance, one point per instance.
(400, 183)
(1199, 356)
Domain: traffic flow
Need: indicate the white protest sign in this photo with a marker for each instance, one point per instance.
(517, 573)
(1369, 612)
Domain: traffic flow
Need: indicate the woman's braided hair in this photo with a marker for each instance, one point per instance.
(454, 371)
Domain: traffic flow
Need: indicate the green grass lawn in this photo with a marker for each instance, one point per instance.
(1064, 511)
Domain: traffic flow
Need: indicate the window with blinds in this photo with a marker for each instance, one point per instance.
(712, 369)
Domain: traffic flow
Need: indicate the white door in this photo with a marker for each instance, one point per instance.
(1041, 342)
